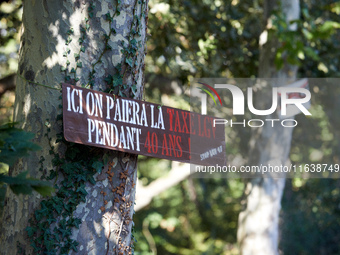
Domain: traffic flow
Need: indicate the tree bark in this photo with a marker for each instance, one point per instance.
(52, 36)
(258, 231)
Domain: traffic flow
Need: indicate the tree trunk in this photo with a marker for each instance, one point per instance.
(98, 44)
(258, 231)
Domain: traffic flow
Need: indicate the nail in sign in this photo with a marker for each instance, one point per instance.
(103, 120)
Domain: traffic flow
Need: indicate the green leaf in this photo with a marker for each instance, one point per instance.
(43, 190)
(118, 80)
(311, 53)
(68, 40)
(109, 79)
(134, 88)
(108, 16)
(82, 190)
(278, 61)
(106, 159)
(22, 185)
(70, 31)
(73, 246)
(79, 64)
(82, 49)
(91, 179)
(129, 61)
(118, 68)
(98, 165)
(15, 143)
(21, 189)
(31, 231)
(72, 153)
(328, 26)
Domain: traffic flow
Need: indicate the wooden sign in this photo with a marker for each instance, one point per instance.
(104, 120)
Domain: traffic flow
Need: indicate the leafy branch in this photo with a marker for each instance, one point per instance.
(14, 144)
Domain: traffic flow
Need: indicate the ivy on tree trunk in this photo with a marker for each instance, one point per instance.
(93, 44)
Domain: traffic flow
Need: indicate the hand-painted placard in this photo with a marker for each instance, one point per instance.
(103, 120)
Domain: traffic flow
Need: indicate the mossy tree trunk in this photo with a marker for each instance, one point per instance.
(258, 226)
(97, 44)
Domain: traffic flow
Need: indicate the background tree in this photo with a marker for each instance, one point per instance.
(258, 231)
(305, 48)
(98, 45)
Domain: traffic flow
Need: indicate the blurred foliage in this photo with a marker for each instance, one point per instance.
(10, 21)
(311, 207)
(215, 38)
(315, 35)
(209, 38)
(14, 144)
(198, 216)
(220, 39)
(6, 107)
(311, 217)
